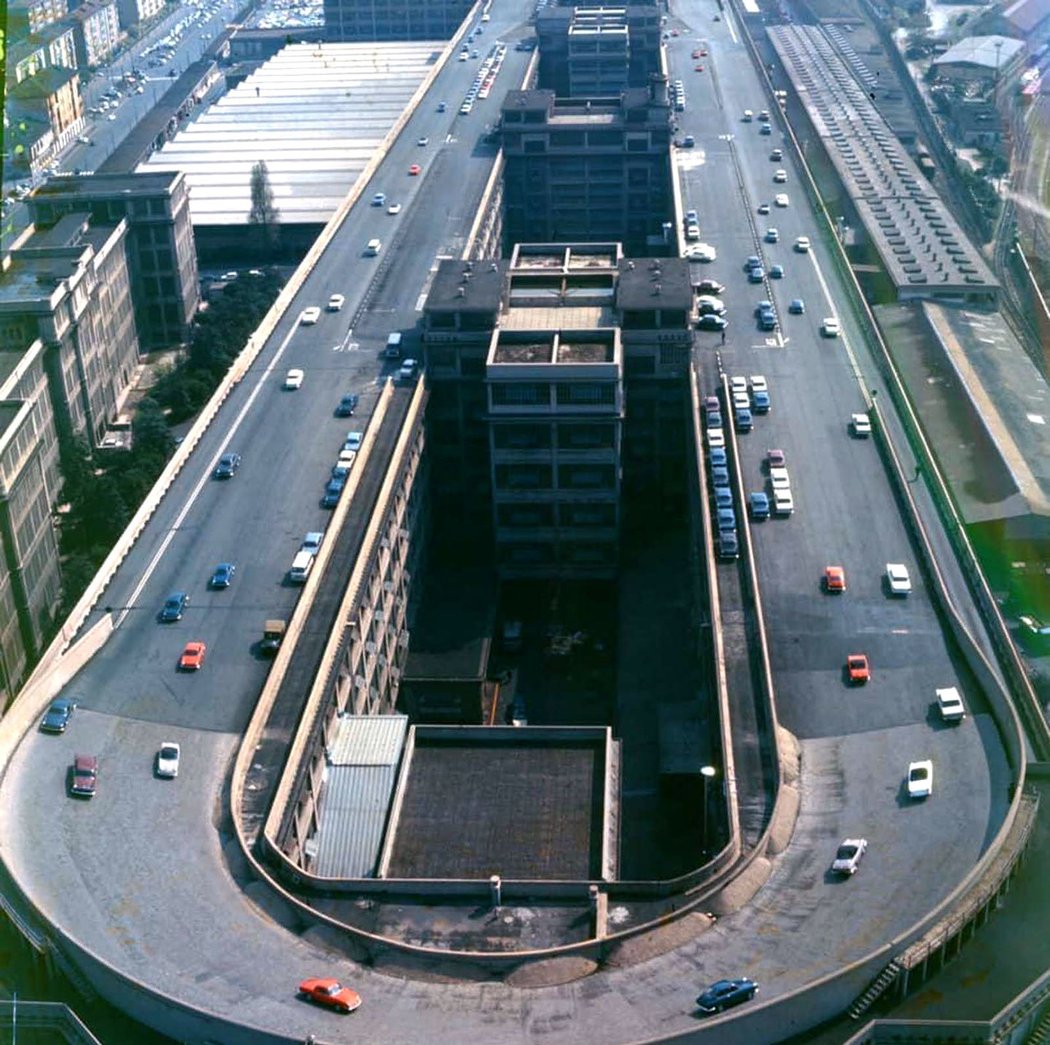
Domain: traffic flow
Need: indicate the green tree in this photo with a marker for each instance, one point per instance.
(264, 216)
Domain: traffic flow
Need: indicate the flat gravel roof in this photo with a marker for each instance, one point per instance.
(315, 114)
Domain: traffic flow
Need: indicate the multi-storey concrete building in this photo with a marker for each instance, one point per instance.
(52, 46)
(162, 259)
(134, 12)
(597, 51)
(350, 20)
(30, 16)
(30, 584)
(596, 170)
(96, 29)
(543, 371)
(44, 112)
(69, 287)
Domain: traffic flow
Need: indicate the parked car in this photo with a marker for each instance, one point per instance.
(168, 760)
(294, 379)
(347, 405)
(333, 491)
(330, 994)
(920, 779)
(310, 316)
(728, 544)
(950, 705)
(834, 579)
(758, 502)
(860, 424)
(724, 994)
(797, 307)
(58, 714)
(83, 779)
(857, 668)
(783, 502)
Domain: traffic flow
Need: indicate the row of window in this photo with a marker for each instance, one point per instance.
(541, 516)
(542, 476)
(538, 393)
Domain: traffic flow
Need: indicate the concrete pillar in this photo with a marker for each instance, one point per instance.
(496, 890)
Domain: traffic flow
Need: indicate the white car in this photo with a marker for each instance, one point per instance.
(783, 502)
(422, 142)
(741, 401)
(310, 316)
(830, 327)
(781, 199)
(692, 233)
(716, 438)
(758, 383)
(779, 479)
(848, 856)
(737, 384)
(920, 779)
(394, 208)
(336, 302)
(861, 425)
(780, 176)
(294, 379)
(168, 760)
(950, 705)
(898, 579)
(702, 252)
(802, 244)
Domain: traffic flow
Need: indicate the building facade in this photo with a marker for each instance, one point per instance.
(134, 12)
(97, 32)
(352, 20)
(30, 483)
(44, 113)
(54, 45)
(161, 255)
(596, 170)
(30, 16)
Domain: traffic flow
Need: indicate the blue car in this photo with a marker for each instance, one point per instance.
(726, 519)
(724, 994)
(332, 491)
(173, 606)
(723, 497)
(223, 575)
(58, 715)
(354, 441)
(720, 477)
(728, 544)
(744, 421)
(717, 456)
(760, 402)
(759, 504)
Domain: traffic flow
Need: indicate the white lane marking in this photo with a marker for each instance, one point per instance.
(205, 478)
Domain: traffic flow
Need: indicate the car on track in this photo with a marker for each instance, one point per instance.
(860, 425)
(763, 208)
(294, 379)
(776, 155)
(848, 856)
(802, 244)
(58, 714)
(757, 275)
(724, 994)
(776, 271)
(898, 579)
(857, 668)
(781, 199)
(780, 176)
(223, 575)
(829, 327)
(378, 199)
(227, 466)
(192, 658)
(394, 208)
(310, 316)
(336, 302)
(423, 142)
(834, 579)
(950, 705)
(772, 235)
(83, 776)
(920, 779)
(347, 405)
(173, 607)
(797, 307)
(414, 170)
(167, 765)
(330, 994)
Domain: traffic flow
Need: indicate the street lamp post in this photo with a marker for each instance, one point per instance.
(707, 773)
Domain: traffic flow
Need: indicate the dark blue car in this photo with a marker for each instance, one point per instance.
(724, 994)
(332, 492)
(223, 575)
(58, 715)
(173, 606)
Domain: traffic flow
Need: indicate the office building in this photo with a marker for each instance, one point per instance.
(161, 256)
(30, 483)
(347, 21)
(594, 170)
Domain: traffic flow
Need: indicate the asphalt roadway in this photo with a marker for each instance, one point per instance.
(148, 877)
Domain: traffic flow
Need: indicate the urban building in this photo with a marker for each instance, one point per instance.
(134, 12)
(594, 170)
(68, 286)
(983, 59)
(347, 21)
(52, 46)
(543, 369)
(30, 583)
(161, 256)
(31, 16)
(597, 51)
(43, 113)
(96, 28)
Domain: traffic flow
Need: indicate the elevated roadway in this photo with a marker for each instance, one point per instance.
(145, 884)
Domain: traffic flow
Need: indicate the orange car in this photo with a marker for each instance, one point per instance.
(330, 993)
(857, 668)
(192, 658)
(834, 578)
(415, 169)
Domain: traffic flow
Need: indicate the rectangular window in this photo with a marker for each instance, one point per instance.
(586, 394)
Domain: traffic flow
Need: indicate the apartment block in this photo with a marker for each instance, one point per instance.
(588, 170)
(30, 16)
(51, 46)
(350, 20)
(68, 286)
(30, 483)
(43, 112)
(597, 50)
(162, 258)
(135, 12)
(97, 32)
(557, 381)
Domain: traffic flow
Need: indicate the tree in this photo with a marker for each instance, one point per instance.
(264, 215)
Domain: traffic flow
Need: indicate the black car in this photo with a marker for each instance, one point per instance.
(709, 286)
(332, 492)
(712, 322)
(347, 405)
(724, 994)
(174, 604)
(227, 466)
(58, 715)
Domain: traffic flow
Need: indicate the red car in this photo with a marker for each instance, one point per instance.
(696, 54)
(415, 169)
(776, 458)
(857, 667)
(699, 68)
(834, 578)
(192, 658)
(330, 993)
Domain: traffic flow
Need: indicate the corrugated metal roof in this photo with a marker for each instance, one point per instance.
(353, 815)
(314, 113)
(368, 740)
